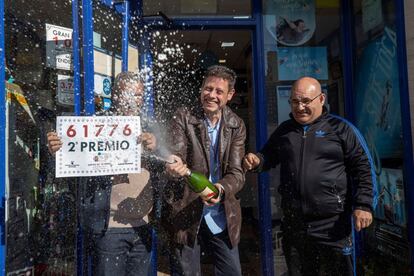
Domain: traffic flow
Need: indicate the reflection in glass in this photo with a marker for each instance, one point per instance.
(301, 38)
(41, 210)
(378, 116)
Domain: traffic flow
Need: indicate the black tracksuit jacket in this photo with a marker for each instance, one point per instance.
(325, 168)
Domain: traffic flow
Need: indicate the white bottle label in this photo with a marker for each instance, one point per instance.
(207, 192)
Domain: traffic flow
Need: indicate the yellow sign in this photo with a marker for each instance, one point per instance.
(16, 91)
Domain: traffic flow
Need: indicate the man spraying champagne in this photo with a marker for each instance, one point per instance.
(209, 140)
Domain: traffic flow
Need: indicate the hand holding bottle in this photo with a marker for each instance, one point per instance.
(210, 200)
(176, 168)
(199, 183)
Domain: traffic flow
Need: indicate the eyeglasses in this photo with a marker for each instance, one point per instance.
(304, 102)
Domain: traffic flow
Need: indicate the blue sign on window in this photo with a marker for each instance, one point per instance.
(296, 62)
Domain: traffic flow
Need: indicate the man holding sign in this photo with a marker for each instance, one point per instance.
(102, 145)
(116, 208)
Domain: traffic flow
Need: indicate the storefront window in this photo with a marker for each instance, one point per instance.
(41, 222)
(378, 116)
(301, 38)
(107, 42)
(42, 210)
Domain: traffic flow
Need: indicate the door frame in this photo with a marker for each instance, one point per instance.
(2, 146)
(255, 25)
(406, 123)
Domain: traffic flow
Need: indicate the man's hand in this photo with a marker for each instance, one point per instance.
(177, 168)
(210, 200)
(54, 143)
(148, 140)
(250, 161)
(362, 219)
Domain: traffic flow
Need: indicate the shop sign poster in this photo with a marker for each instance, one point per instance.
(98, 145)
(378, 111)
(103, 86)
(65, 90)
(107, 103)
(294, 23)
(297, 62)
(371, 14)
(58, 47)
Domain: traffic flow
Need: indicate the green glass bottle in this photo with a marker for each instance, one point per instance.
(201, 185)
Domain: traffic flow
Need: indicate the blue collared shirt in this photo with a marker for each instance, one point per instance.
(214, 215)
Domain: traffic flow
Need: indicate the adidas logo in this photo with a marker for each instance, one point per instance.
(320, 133)
(347, 250)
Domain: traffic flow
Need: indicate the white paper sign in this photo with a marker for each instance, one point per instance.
(65, 90)
(58, 47)
(98, 145)
(103, 86)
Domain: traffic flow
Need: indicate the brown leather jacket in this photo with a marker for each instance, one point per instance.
(182, 208)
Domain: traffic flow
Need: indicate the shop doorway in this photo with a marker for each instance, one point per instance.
(179, 61)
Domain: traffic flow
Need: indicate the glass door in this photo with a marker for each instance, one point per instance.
(378, 95)
(40, 210)
(180, 59)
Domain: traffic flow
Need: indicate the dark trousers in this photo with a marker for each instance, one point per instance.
(122, 251)
(186, 260)
(306, 255)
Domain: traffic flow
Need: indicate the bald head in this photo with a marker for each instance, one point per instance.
(306, 100)
(308, 83)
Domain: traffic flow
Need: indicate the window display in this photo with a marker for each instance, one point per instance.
(378, 115)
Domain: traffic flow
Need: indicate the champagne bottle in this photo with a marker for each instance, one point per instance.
(201, 185)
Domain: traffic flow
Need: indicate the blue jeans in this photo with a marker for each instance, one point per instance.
(122, 251)
(186, 260)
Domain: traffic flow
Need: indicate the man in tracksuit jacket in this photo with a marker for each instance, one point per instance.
(326, 179)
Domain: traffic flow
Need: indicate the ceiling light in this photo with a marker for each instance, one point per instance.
(222, 61)
(227, 44)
